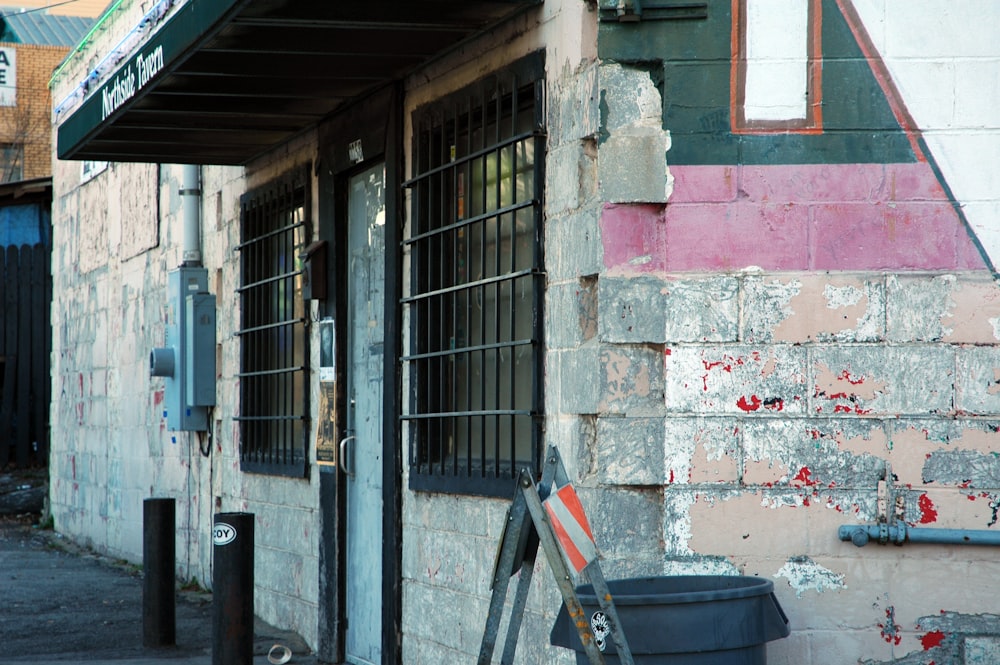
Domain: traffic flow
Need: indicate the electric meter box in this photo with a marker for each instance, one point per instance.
(187, 360)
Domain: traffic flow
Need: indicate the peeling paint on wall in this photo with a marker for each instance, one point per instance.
(632, 146)
(804, 574)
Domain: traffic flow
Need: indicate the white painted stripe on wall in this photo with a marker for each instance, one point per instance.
(945, 62)
(777, 67)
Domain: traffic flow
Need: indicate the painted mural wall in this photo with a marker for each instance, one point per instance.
(802, 332)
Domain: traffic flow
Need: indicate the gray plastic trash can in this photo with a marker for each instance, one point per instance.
(683, 620)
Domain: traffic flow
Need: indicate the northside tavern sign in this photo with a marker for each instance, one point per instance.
(135, 74)
(130, 80)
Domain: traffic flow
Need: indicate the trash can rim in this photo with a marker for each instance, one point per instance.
(675, 589)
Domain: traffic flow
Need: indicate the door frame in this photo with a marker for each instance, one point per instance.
(367, 131)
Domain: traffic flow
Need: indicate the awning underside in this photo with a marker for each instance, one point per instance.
(257, 72)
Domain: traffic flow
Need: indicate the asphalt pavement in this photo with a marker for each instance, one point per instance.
(62, 604)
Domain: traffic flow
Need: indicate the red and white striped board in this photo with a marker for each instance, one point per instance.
(569, 522)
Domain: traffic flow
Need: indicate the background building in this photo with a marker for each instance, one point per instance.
(32, 44)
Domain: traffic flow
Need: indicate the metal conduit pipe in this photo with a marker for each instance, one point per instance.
(190, 193)
(899, 534)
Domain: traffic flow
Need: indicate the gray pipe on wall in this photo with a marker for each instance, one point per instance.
(899, 534)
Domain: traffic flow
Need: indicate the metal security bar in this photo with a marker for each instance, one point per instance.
(274, 353)
(476, 285)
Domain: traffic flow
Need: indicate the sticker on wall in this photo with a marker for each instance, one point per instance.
(355, 152)
(326, 427)
(327, 351)
(223, 534)
(601, 628)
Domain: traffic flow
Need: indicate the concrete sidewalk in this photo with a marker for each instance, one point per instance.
(61, 604)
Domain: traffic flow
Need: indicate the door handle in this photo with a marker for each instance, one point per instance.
(342, 461)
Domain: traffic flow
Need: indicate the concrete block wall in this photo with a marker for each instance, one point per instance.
(794, 331)
(763, 449)
(448, 551)
(111, 448)
(116, 235)
(449, 542)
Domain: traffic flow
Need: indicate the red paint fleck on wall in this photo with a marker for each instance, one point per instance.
(846, 376)
(751, 405)
(932, 639)
(804, 476)
(928, 513)
(889, 629)
(774, 404)
(157, 397)
(728, 362)
(843, 408)
(667, 352)
(671, 479)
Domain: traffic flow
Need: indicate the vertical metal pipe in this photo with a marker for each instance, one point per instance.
(232, 589)
(190, 193)
(158, 600)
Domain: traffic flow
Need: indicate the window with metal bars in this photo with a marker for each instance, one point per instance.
(474, 301)
(274, 345)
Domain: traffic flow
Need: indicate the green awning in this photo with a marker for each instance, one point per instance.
(222, 81)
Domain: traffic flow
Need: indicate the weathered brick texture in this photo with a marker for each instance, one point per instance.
(27, 124)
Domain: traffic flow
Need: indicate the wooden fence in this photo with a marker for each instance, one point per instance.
(25, 344)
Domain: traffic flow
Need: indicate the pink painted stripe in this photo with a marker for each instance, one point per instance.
(792, 217)
(634, 237)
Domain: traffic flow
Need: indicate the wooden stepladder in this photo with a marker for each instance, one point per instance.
(549, 514)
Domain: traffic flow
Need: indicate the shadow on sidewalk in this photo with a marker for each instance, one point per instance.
(63, 603)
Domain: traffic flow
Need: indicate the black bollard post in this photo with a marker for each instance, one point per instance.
(232, 589)
(159, 628)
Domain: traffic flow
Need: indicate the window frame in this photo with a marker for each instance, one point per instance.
(275, 223)
(443, 206)
(12, 161)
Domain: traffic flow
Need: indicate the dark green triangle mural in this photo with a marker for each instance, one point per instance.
(693, 58)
